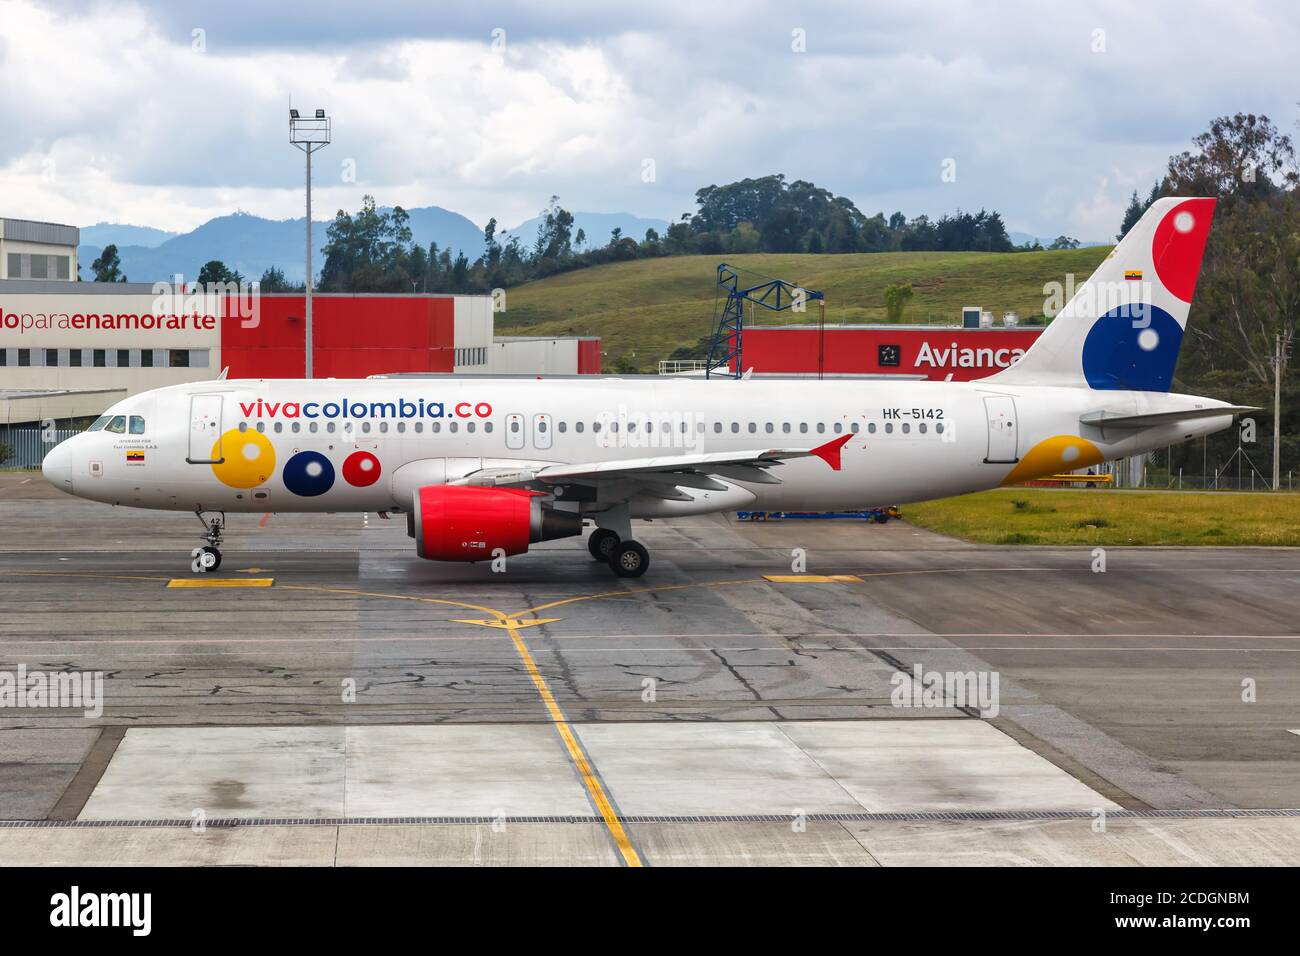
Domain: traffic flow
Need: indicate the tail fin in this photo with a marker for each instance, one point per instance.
(1124, 326)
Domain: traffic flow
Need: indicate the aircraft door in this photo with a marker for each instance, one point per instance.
(514, 430)
(205, 430)
(1001, 413)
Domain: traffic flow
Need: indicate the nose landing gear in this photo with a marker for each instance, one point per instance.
(208, 558)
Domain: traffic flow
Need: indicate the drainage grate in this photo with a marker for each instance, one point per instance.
(919, 816)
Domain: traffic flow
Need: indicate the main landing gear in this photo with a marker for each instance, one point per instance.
(209, 558)
(626, 558)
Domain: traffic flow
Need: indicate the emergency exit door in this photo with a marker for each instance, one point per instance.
(205, 430)
(1003, 440)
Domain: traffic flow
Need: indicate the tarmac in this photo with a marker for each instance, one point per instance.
(328, 698)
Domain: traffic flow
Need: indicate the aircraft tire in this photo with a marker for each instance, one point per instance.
(629, 559)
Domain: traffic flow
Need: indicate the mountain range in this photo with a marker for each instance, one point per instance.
(251, 244)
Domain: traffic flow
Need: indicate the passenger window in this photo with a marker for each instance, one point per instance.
(454, 426)
(838, 428)
(577, 426)
(939, 427)
(469, 426)
(311, 427)
(906, 428)
(821, 428)
(243, 426)
(717, 428)
(889, 428)
(401, 427)
(261, 426)
(118, 425)
(487, 427)
(296, 427)
(768, 428)
(921, 428)
(871, 428)
(854, 428)
(785, 428)
(803, 428)
(383, 427)
(563, 427)
(435, 426)
(752, 428)
(279, 427)
(329, 427)
(365, 427)
(735, 427)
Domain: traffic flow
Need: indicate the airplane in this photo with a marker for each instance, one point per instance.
(484, 467)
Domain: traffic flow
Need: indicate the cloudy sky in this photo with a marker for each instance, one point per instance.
(169, 113)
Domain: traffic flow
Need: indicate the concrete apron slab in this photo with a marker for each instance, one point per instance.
(513, 770)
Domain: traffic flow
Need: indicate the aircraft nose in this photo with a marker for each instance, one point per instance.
(57, 466)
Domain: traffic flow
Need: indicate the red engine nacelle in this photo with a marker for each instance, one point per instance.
(466, 523)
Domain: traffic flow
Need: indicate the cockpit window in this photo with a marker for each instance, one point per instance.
(100, 422)
(137, 424)
(117, 426)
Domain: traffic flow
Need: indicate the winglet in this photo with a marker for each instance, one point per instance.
(830, 452)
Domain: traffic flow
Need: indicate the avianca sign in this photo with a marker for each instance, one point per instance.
(345, 409)
(954, 356)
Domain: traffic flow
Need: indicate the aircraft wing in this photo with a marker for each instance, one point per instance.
(661, 475)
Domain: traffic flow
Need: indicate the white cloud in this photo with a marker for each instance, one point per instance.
(111, 115)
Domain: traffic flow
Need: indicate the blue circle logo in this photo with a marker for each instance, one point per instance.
(308, 474)
(1134, 347)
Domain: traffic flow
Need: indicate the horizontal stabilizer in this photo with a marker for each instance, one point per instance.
(1107, 419)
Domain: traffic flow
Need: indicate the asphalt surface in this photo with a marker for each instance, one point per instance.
(1168, 682)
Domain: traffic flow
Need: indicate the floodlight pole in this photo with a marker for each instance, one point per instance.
(309, 134)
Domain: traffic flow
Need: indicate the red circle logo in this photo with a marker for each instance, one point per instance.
(361, 469)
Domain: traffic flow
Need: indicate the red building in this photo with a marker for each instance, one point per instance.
(933, 352)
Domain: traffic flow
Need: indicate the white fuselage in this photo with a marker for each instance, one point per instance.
(914, 440)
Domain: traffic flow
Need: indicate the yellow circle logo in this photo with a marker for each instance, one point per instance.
(249, 459)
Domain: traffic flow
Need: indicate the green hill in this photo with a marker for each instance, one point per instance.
(653, 306)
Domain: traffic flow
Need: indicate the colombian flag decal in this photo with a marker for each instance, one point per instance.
(1132, 274)
(135, 455)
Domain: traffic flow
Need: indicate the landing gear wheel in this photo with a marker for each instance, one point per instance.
(205, 560)
(629, 559)
(602, 543)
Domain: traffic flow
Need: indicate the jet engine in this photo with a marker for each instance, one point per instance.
(466, 523)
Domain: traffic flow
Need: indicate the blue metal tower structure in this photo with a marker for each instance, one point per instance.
(775, 295)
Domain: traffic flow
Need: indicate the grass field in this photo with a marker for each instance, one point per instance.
(653, 306)
(1097, 517)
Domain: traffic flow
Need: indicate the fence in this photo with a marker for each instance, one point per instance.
(29, 445)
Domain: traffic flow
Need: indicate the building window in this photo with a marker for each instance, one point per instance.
(198, 358)
(15, 266)
(62, 267)
(24, 356)
(74, 358)
(146, 358)
(51, 357)
(178, 358)
(98, 358)
(123, 358)
(40, 267)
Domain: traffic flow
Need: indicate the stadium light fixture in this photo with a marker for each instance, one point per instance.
(309, 134)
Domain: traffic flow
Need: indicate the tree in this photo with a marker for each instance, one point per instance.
(1239, 158)
(273, 280)
(215, 271)
(615, 236)
(6, 452)
(108, 267)
(1064, 242)
(896, 299)
(580, 239)
(1136, 207)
